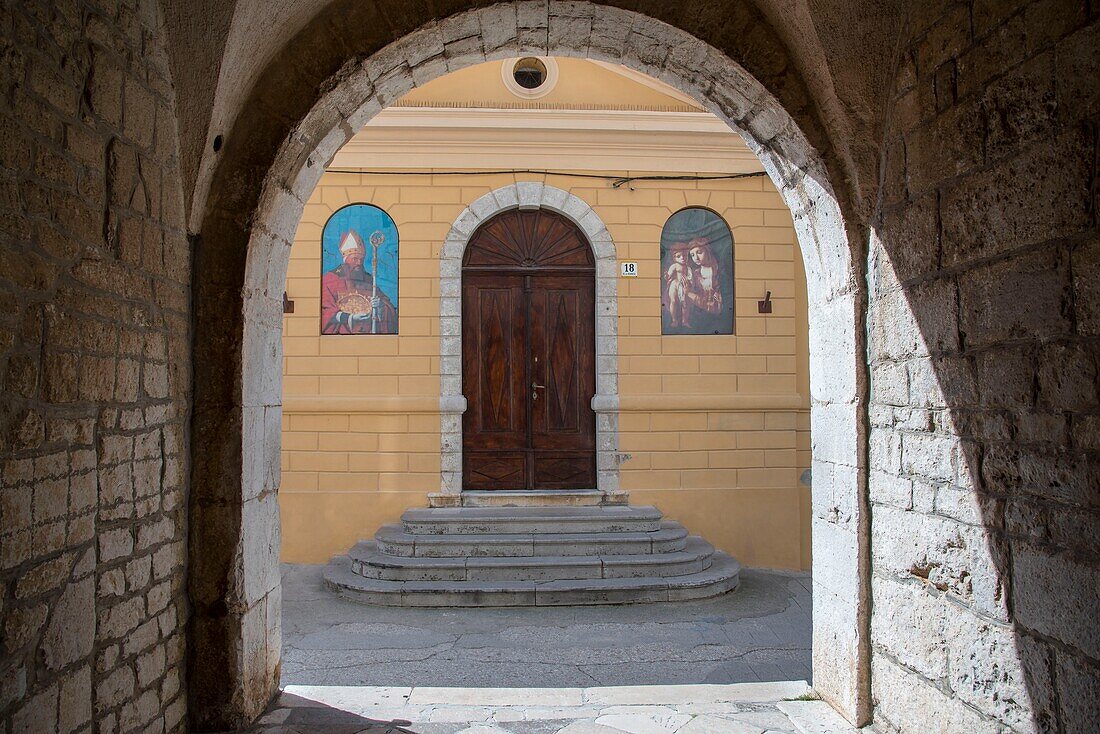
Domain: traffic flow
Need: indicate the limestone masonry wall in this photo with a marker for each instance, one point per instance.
(95, 372)
(728, 472)
(985, 473)
(982, 326)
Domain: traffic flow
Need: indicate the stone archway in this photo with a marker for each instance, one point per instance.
(234, 533)
(529, 195)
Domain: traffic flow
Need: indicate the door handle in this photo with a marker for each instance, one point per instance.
(535, 387)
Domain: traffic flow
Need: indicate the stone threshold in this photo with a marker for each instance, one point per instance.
(613, 708)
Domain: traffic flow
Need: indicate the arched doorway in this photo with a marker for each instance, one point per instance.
(528, 354)
(241, 264)
(528, 196)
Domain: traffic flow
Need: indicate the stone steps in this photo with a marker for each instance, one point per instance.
(368, 561)
(555, 554)
(393, 540)
(720, 577)
(530, 520)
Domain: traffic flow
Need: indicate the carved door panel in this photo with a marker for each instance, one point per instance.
(562, 338)
(494, 377)
(528, 355)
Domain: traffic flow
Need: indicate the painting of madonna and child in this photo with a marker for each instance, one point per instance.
(359, 272)
(697, 274)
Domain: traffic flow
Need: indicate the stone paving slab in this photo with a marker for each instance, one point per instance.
(753, 708)
(685, 667)
(813, 717)
(759, 633)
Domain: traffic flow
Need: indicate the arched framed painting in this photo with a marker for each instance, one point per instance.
(359, 272)
(696, 274)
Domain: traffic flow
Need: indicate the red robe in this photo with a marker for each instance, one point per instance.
(334, 284)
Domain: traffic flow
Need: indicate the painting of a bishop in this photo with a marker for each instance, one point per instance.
(353, 293)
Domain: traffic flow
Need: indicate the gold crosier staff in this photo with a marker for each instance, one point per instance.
(376, 240)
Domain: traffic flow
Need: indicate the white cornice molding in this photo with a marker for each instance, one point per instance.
(624, 120)
(590, 140)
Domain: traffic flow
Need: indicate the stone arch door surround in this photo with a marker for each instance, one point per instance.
(241, 267)
(452, 403)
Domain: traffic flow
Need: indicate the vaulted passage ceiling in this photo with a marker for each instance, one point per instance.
(830, 61)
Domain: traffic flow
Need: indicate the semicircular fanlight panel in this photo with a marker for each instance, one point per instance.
(528, 239)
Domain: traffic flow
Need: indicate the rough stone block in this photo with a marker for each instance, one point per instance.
(952, 557)
(115, 544)
(1008, 206)
(116, 621)
(965, 505)
(833, 500)
(112, 582)
(1043, 473)
(150, 666)
(1006, 378)
(71, 632)
(1076, 63)
(908, 622)
(903, 701)
(1078, 689)
(890, 383)
(138, 573)
(930, 455)
(831, 338)
(988, 669)
(44, 578)
(37, 714)
(1019, 107)
(104, 89)
(1085, 264)
(947, 146)
(139, 712)
(836, 574)
(1066, 617)
(890, 489)
(894, 332)
(260, 571)
(22, 624)
(498, 27)
(991, 300)
(159, 597)
(945, 39)
(1067, 377)
(833, 432)
(75, 709)
(114, 689)
(838, 624)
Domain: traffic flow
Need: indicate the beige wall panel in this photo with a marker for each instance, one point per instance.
(758, 524)
(580, 82)
(730, 473)
(319, 525)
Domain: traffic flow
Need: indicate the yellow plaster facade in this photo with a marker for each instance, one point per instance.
(581, 84)
(716, 427)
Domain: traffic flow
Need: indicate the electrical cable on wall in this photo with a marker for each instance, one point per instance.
(616, 181)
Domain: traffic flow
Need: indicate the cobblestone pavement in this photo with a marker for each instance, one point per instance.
(744, 708)
(760, 632)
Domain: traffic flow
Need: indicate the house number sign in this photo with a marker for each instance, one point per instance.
(629, 270)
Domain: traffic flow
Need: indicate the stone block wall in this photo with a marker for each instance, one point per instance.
(984, 348)
(95, 372)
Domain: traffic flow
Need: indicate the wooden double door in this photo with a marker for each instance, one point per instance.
(528, 354)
